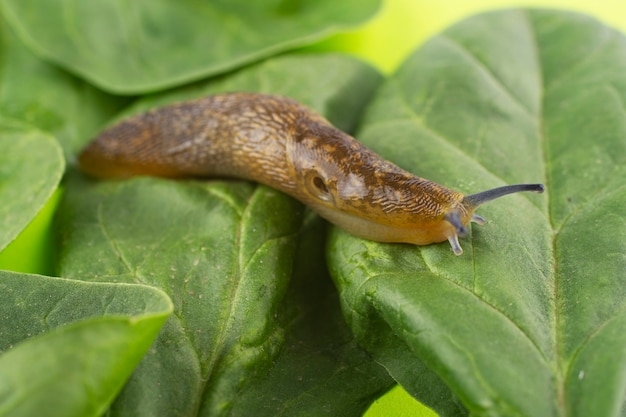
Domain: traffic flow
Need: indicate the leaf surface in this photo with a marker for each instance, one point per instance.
(67, 347)
(530, 320)
(320, 356)
(31, 166)
(41, 95)
(148, 45)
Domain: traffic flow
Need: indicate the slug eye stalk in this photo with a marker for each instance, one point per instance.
(471, 202)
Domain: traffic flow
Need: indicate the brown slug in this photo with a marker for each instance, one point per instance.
(278, 142)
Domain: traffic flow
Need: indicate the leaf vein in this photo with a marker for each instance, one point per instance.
(112, 243)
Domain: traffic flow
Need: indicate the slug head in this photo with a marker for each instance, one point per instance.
(369, 197)
(460, 216)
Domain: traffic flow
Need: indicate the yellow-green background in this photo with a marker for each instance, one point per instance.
(400, 27)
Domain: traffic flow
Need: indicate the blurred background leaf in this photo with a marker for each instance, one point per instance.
(31, 166)
(148, 45)
(69, 346)
(42, 95)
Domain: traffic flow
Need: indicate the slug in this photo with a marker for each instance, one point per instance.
(278, 142)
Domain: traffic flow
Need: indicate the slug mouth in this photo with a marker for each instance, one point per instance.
(454, 218)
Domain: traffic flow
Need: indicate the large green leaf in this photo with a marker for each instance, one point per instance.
(226, 253)
(31, 166)
(67, 347)
(42, 95)
(320, 357)
(222, 261)
(141, 46)
(531, 319)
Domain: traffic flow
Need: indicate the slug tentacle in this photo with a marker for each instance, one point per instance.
(475, 200)
(478, 219)
(455, 245)
(278, 142)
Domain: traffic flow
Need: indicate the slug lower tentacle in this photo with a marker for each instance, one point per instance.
(278, 142)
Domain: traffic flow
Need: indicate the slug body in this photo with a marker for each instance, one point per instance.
(281, 143)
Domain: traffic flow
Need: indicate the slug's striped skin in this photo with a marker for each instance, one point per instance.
(278, 142)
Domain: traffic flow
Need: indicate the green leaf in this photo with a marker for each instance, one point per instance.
(224, 263)
(67, 347)
(30, 251)
(43, 96)
(320, 356)
(530, 320)
(31, 166)
(150, 45)
(230, 255)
